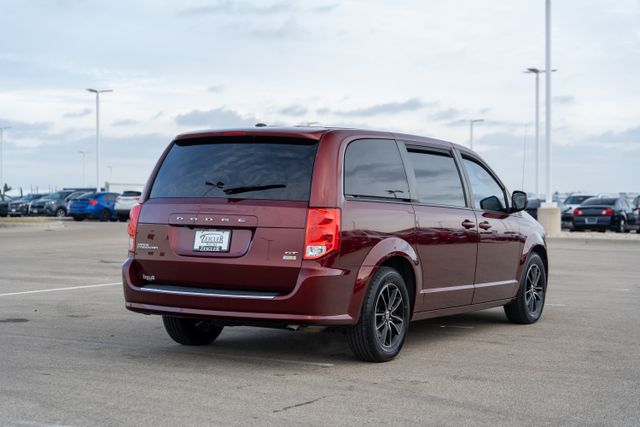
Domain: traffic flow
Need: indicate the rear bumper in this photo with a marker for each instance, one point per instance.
(82, 212)
(322, 296)
(603, 223)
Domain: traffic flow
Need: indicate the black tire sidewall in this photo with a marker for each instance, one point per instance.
(382, 277)
(533, 258)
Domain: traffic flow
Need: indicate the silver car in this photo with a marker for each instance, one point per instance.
(125, 202)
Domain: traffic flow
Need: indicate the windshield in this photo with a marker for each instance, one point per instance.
(576, 200)
(600, 202)
(29, 197)
(58, 195)
(251, 167)
(89, 195)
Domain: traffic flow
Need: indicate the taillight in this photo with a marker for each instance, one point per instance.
(136, 198)
(323, 232)
(134, 214)
(93, 202)
(577, 212)
(607, 212)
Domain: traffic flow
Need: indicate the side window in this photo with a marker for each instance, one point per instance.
(437, 178)
(487, 193)
(374, 168)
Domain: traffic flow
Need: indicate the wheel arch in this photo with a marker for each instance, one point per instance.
(391, 252)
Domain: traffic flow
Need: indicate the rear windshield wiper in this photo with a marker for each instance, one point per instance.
(248, 188)
(243, 188)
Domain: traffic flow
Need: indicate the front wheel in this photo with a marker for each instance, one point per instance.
(528, 305)
(188, 331)
(60, 213)
(105, 215)
(384, 321)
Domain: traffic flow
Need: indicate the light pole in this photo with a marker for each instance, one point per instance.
(2, 129)
(547, 125)
(471, 122)
(98, 92)
(537, 73)
(83, 153)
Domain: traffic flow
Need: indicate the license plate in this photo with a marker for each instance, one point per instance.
(13, 210)
(212, 241)
(591, 220)
(35, 211)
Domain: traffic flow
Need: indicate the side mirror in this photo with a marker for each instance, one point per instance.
(491, 203)
(519, 201)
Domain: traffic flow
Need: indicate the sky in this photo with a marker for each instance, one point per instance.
(420, 67)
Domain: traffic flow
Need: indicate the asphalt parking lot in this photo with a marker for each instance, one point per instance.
(73, 355)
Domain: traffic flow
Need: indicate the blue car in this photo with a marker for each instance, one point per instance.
(93, 205)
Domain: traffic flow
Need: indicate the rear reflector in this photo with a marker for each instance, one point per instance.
(134, 215)
(323, 232)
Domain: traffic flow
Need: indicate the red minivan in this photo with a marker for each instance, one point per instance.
(294, 227)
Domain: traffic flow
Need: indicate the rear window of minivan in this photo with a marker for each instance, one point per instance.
(244, 167)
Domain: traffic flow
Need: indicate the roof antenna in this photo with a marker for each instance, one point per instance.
(261, 125)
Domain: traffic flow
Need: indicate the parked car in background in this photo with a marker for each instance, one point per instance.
(93, 206)
(606, 213)
(125, 202)
(636, 202)
(532, 207)
(4, 204)
(21, 206)
(570, 204)
(55, 204)
(356, 229)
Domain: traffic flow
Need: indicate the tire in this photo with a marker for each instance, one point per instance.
(105, 215)
(522, 310)
(622, 227)
(60, 213)
(386, 286)
(78, 218)
(188, 331)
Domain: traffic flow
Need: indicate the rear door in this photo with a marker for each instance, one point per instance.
(227, 213)
(500, 244)
(446, 230)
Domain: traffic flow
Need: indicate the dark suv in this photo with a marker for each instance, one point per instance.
(359, 229)
(21, 206)
(55, 204)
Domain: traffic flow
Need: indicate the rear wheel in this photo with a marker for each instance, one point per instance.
(529, 303)
(381, 331)
(60, 213)
(187, 331)
(622, 226)
(105, 215)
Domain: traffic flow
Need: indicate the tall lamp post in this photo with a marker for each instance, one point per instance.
(2, 129)
(471, 122)
(83, 153)
(537, 73)
(98, 92)
(547, 125)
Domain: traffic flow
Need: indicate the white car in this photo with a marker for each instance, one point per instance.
(125, 202)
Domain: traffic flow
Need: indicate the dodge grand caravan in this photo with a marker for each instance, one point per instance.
(293, 227)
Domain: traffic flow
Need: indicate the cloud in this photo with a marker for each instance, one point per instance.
(412, 104)
(229, 7)
(125, 122)
(448, 114)
(215, 88)
(563, 99)
(80, 113)
(627, 136)
(325, 8)
(216, 118)
(293, 110)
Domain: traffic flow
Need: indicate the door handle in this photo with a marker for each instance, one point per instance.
(468, 224)
(484, 225)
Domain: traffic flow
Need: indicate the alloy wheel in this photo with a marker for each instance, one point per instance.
(390, 316)
(534, 294)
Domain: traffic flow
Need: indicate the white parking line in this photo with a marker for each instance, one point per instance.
(39, 291)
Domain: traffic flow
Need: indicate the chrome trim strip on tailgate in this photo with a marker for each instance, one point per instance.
(217, 293)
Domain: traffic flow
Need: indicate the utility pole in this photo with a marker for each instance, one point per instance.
(98, 92)
(549, 183)
(471, 122)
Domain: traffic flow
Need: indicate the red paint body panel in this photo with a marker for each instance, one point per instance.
(451, 268)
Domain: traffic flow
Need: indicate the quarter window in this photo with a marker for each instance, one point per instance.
(437, 178)
(484, 187)
(374, 168)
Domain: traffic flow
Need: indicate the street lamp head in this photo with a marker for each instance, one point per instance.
(92, 90)
(477, 120)
(97, 91)
(532, 70)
